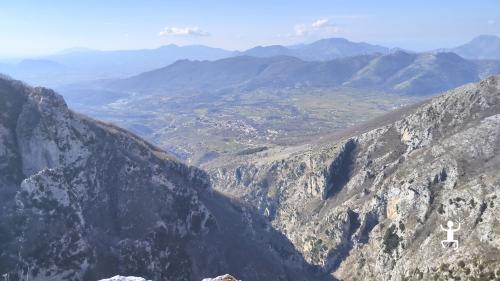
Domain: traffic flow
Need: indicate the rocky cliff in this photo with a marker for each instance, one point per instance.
(370, 206)
(85, 200)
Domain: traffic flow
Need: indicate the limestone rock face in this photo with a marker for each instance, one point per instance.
(371, 206)
(85, 200)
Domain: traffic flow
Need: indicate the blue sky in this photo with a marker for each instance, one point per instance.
(41, 27)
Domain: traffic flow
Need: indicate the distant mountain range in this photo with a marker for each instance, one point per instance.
(75, 65)
(37, 70)
(80, 64)
(398, 72)
(321, 50)
(127, 62)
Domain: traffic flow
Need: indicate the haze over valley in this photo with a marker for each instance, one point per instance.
(173, 94)
(244, 102)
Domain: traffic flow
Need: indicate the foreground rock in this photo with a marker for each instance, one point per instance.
(84, 200)
(371, 206)
(124, 278)
(226, 277)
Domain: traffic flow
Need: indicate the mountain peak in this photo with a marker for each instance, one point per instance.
(168, 46)
(76, 50)
(333, 39)
(480, 47)
(486, 37)
(321, 50)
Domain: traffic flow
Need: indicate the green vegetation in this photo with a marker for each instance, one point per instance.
(391, 239)
(317, 251)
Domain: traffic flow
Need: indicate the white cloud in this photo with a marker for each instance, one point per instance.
(183, 31)
(320, 27)
(301, 30)
(491, 21)
(320, 23)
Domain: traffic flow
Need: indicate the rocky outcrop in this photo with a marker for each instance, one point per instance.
(85, 200)
(124, 278)
(371, 206)
(225, 277)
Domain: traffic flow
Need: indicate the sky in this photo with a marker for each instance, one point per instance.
(34, 28)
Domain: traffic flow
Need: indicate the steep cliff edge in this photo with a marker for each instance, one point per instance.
(85, 200)
(371, 206)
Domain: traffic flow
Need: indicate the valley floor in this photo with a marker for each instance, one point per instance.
(200, 128)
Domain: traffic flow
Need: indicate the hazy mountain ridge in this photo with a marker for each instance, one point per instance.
(80, 64)
(483, 47)
(77, 65)
(84, 200)
(399, 72)
(321, 50)
(127, 62)
(369, 206)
